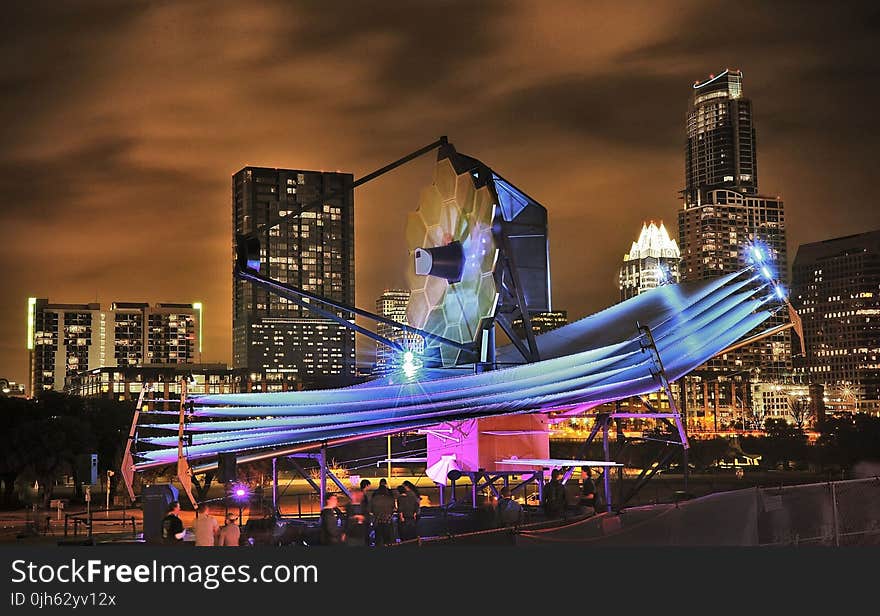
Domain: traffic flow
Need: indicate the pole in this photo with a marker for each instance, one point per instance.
(107, 506)
(606, 477)
(834, 516)
(275, 486)
(389, 458)
(323, 462)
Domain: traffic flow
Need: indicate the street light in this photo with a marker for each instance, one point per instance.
(240, 493)
(107, 507)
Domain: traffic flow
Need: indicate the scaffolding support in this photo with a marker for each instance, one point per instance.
(127, 470)
(606, 478)
(660, 374)
(184, 472)
(324, 473)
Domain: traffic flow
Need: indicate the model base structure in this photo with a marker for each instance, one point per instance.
(602, 358)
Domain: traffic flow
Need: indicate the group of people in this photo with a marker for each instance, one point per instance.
(572, 497)
(206, 529)
(370, 516)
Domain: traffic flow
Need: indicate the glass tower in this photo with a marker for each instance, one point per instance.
(720, 138)
(723, 214)
(277, 345)
(836, 289)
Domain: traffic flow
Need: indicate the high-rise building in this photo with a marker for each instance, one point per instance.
(392, 305)
(652, 260)
(723, 214)
(64, 339)
(278, 344)
(720, 138)
(542, 322)
(836, 290)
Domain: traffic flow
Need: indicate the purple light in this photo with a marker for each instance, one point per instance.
(239, 492)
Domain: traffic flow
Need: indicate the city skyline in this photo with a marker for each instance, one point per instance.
(135, 128)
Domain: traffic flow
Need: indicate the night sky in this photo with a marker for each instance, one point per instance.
(123, 122)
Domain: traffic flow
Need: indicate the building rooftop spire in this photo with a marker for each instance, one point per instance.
(654, 242)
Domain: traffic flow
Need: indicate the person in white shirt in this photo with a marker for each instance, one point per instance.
(205, 527)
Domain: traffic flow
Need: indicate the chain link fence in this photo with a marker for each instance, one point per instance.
(840, 513)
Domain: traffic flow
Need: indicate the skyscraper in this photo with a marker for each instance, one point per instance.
(64, 339)
(723, 214)
(652, 260)
(392, 305)
(277, 344)
(720, 138)
(836, 289)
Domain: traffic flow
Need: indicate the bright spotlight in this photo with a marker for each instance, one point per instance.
(758, 253)
(780, 292)
(410, 364)
(765, 271)
(240, 492)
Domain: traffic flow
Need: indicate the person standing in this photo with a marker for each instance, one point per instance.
(365, 488)
(205, 527)
(230, 533)
(588, 490)
(357, 526)
(172, 526)
(332, 522)
(554, 497)
(382, 508)
(572, 489)
(412, 489)
(407, 513)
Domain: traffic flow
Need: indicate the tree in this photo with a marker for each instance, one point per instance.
(784, 443)
(40, 439)
(47, 447)
(799, 410)
(13, 411)
(850, 439)
(757, 413)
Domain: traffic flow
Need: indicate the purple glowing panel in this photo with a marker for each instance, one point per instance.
(595, 360)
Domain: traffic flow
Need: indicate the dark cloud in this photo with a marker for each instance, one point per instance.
(414, 46)
(615, 107)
